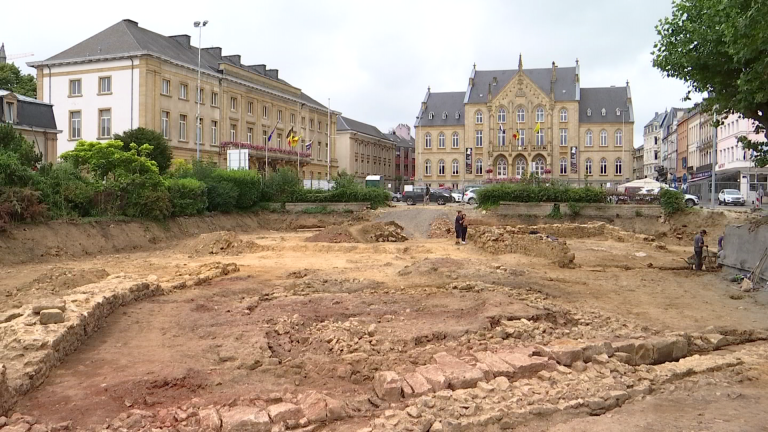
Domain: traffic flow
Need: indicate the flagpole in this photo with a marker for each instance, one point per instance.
(329, 143)
(266, 156)
(298, 157)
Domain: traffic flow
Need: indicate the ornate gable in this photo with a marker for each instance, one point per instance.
(521, 91)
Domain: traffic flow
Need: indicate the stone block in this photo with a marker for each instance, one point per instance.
(496, 365)
(314, 407)
(716, 341)
(487, 374)
(418, 383)
(625, 358)
(434, 376)
(210, 420)
(245, 419)
(51, 316)
(626, 346)
(619, 396)
(459, 374)
(643, 353)
(523, 365)
(336, 409)
(596, 348)
(284, 412)
(669, 349)
(566, 353)
(59, 304)
(388, 386)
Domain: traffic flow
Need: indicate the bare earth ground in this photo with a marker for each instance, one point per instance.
(283, 323)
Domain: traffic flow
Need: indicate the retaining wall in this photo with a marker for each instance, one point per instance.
(590, 210)
(743, 246)
(339, 207)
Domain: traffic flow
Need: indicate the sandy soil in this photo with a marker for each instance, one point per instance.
(284, 324)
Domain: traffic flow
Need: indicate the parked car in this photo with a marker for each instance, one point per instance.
(395, 196)
(456, 195)
(730, 196)
(690, 200)
(439, 196)
(469, 196)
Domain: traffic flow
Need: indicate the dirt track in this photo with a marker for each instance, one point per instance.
(298, 316)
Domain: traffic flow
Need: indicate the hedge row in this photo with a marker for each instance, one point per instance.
(531, 193)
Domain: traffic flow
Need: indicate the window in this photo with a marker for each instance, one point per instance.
(250, 108)
(105, 123)
(478, 166)
(589, 112)
(431, 115)
(311, 124)
(214, 99)
(455, 140)
(249, 135)
(279, 140)
(479, 117)
(182, 127)
(538, 166)
(183, 91)
(563, 137)
(618, 166)
(563, 115)
(265, 111)
(602, 112)
(501, 168)
(428, 140)
(165, 124)
(427, 167)
(502, 137)
(166, 90)
(76, 87)
(521, 115)
(199, 130)
(539, 115)
(264, 138)
(603, 166)
(279, 116)
(563, 166)
(75, 125)
(521, 138)
(478, 138)
(445, 115)
(501, 117)
(201, 95)
(588, 167)
(588, 139)
(214, 132)
(455, 167)
(293, 119)
(9, 112)
(603, 138)
(520, 167)
(105, 85)
(441, 167)
(233, 103)
(233, 132)
(618, 139)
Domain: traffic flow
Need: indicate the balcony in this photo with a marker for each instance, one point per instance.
(516, 148)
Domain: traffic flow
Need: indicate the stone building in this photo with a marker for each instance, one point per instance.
(638, 166)
(127, 76)
(652, 145)
(405, 155)
(33, 119)
(363, 150)
(509, 123)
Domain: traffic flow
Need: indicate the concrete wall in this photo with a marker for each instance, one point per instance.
(743, 246)
(594, 210)
(298, 207)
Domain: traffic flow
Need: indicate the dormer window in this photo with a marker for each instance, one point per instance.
(457, 115)
(431, 115)
(618, 111)
(603, 112)
(589, 112)
(445, 115)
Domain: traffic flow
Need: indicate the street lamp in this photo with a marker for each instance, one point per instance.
(199, 130)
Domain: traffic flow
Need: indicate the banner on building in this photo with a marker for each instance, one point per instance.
(468, 161)
(574, 161)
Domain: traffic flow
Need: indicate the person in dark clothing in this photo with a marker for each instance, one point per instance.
(427, 191)
(458, 226)
(464, 228)
(720, 243)
(698, 248)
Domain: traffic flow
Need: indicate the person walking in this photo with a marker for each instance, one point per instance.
(698, 248)
(458, 226)
(427, 191)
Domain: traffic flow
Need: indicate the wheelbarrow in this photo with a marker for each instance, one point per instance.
(709, 260)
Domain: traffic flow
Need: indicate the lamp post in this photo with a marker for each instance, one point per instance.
(199, 127)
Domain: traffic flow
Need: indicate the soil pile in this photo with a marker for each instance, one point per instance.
(333, 235)
(222, 243)
(381, 232)
(503, 240)
(62, 279)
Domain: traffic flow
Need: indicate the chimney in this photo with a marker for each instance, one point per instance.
(214, 51)
(578, 72)
(234, 58)
(495, 81)
(472, 76)
(129, 21)
(489, 92)
(272, 73)
(184, 40)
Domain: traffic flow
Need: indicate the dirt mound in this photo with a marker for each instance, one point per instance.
(381, 232)
(441, 228)
(333, 235)
(221, 243)
(326, 286)
(432, 265)
(504, 240)
(61, 279)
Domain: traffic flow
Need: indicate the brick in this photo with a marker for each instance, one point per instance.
(388, 386)
(459, 374)
(418, 383)
(51, 316)
(246, 419)
(434, 376)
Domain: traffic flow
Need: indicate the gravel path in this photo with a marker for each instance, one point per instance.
(416, 219)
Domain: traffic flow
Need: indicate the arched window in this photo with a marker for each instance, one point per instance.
(588, 167)
(479, 117)
(441, 140)
(455, 140)
(563, 166)
(427, 167)
(431, 115)
(617, 167)
(501, 168)
(455, 167)
(520, 167)
(502, 137)
(478, 166)
(521, 115)
(539, 165)
(501, 117)
(441, 167)
(603, 166)
(618, 138)
(539, 115)
(428, 140)
(603, 138)
(521, 138)
(563, 115)
(588, 139)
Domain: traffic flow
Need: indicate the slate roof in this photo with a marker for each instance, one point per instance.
(609, 98)
(32, 113)
(658, 118)
(400, 141)
(566, 88)
(438, 103)
(347, 124)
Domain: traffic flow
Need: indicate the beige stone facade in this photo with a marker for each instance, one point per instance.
(465, 138)
(363, 150)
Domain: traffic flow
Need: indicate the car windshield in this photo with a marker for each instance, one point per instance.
(732, 192)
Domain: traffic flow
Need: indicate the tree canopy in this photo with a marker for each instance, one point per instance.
(161, 153)
(13, 80)
(720, 47)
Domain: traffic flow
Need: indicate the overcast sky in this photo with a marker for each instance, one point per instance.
(375, 59)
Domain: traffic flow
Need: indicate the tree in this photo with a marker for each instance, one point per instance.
(718, 47)
(109, 160)
(17, 158)
(160, 153)
(13, 80)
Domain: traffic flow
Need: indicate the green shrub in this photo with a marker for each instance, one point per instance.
(282, 185)
(160, 152)
(20, 205)
(317, 210)
(187, 196)
(65, 190)
(575, 208)
(248, 184)
(491, 196)
(671, 201)
(344, 180)
(358, 193)
(222, 196)
(555, 212)
(145, 197)
(12, 172)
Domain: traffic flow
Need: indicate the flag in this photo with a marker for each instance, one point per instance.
(501, 128)
(538, 127)
(269, 139)
(515, 136)
(309, 145)
(294, 140)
